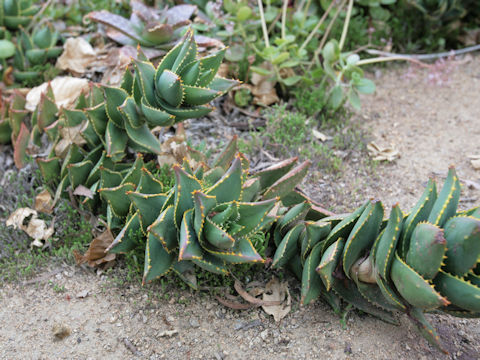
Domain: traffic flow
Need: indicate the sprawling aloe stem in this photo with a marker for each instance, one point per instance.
(207, 219)
(149, 27)
(16, 13)
(427, 260)
(35, 49)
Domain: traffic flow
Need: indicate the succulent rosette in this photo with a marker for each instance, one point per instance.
(427, 260)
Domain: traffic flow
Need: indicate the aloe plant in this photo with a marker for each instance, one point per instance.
(35, 49)
(12, 128)
(179, 88)
(16, 13)
(425, 261)
(208, 219)
(149, 27)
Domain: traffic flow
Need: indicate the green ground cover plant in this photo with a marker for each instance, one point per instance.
(213, 214)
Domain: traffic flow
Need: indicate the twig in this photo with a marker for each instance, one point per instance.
(284, 17)
(128, 344)
(43, 277)
(320, 22)
(38, 14)
(325, 35)
(251, 299)
(426, 56)
(345, 25)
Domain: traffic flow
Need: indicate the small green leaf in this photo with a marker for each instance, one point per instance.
(336, 97)
(365, 86)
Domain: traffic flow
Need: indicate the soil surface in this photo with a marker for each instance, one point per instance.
(72, 313)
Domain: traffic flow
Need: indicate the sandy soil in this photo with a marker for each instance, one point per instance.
(432, 126)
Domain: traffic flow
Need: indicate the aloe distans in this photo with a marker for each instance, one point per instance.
(35, 49)
(179, 88)
(208, 219)
(16, 13)
(150, 27)
(425, 261)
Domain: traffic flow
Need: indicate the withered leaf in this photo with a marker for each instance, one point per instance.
(44, 202)
(277, 291)
(77, 55)
(95, 255)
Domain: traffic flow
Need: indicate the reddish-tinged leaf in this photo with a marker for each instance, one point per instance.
(20, 147)
(180, 13)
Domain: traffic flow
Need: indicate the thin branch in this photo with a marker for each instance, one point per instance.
(346, 24)
(284, 17)
(426, 56)
(325, 36)
(264, 24)
(320, 22)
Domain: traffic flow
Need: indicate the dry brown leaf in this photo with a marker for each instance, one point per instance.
(173, 151)
(66, 90)
(60, 331)
(95, 255)
(44, 202)
(277, 291)
(263, 88)
(69, 136)
(36, 228)
(17, 218)
(320, 136)
(475, 161)
(81, 190)
(77, 55)
(380, 153)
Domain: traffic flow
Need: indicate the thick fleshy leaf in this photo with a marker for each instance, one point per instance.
(157, 260)
(189, 248)
(212, 264)
(329, 262)
(116, 141)
(144, 138)
(385, 249)
(459, 292)
(311, 282)
(50, 169)
(209, 66)
(129, 113)
(148, 184)
(413, 288)
(145, 74)
(155, 116)
(463, 244)
(203, 205)
(117, 198)
(420, 212)
(315, 231)
(287, 183)
(446, 204)
(427, 249)
(182, 113)
(198, 95)
(362, 235)
(185, 185)
(164, 230)
(229, 187)
(126, 239)
(242, 252)
(288, 247)
(115, 97)
(169, 87)
(20, 147)
(78, 172)
(148, 206)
